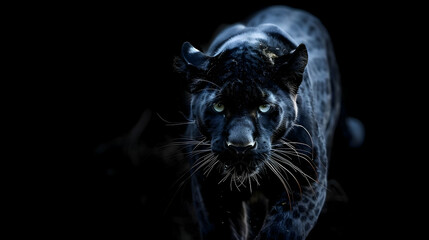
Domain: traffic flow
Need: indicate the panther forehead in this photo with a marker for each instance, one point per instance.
(269, 55)
(240, 40)
(242, 92)
(243, 63)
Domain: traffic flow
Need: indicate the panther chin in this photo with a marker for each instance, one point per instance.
(241, 173)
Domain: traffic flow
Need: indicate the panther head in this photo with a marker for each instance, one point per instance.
(244, 102)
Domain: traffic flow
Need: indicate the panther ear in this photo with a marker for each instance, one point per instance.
(194, 57)
(291, 68)
(193, 65)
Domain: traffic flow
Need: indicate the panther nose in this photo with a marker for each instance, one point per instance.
(240, 148)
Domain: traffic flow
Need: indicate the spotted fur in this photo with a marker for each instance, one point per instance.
(258, 173)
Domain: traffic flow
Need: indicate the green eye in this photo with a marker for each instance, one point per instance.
(264, 108)
(218, 107)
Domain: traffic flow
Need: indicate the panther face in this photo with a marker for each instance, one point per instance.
(243, 103)
(242, 120)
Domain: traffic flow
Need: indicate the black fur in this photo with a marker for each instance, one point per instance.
(265, 102)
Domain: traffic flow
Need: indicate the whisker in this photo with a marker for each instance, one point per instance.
(207, 159)
(290, 146)
(280, 177)
(297, 143)
(184, 142)
(311, 140)
(198, 147)
(203, 80)
(243, 179)
(287, 154)
(209, 168)
(301, 156)
(287, 151)
(232, 179)
(203, 142)
(293, 166)
(280, 160)
(197, 152)
(250, 182)
(239, 180)
(200, 163)
(290, 173)
(255, 177)
(227, 174)
(308, 133)
(169, 123)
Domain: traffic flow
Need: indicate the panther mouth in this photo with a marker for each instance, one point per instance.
(241, 167)
(244, 164)
(241, 174)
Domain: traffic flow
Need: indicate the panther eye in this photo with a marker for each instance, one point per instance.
(218, 107)
(264, 108)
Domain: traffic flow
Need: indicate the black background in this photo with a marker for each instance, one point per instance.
(116, 69)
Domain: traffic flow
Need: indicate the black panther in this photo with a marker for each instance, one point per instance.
(265, 100)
